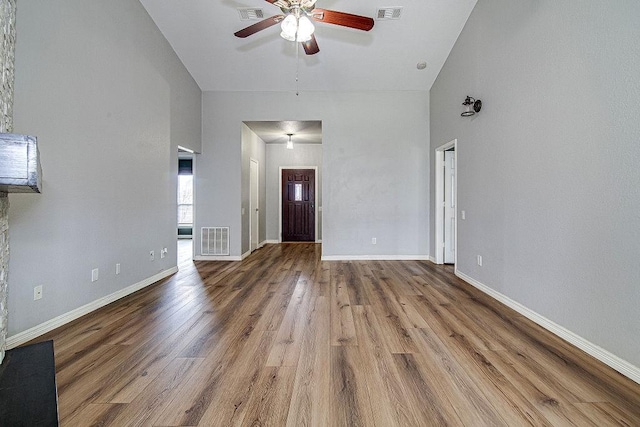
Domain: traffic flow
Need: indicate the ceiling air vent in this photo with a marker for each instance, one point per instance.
(387, 13)
(250, 13)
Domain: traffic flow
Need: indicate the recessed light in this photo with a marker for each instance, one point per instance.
(421, 65)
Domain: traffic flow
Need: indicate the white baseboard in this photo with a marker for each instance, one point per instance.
(32, 333)
(433, 259)
(224, 257)
(216, 258)
(276, 242)
(375, 257)
(625, 368)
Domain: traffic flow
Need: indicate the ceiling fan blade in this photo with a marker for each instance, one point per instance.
(340, 18)
(311, 46)
(259, 26)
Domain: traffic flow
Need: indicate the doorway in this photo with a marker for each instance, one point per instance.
(185, 194)
(445, 203)
(298, 205)
(254, 203)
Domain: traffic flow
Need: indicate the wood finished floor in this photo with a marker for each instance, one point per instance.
(284, 339)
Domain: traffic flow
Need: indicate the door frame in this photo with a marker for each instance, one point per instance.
(439, 199)
(315, 178)
(251, 207)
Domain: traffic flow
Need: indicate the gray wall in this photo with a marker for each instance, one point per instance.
(253, 148)
(109, 101)
(548, 171)
(279, 156)
(375, 165)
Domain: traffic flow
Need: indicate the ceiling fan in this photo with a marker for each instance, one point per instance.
(296, 22)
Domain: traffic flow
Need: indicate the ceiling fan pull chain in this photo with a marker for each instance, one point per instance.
(297, 65)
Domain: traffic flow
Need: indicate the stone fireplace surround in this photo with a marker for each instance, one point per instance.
(7, 50)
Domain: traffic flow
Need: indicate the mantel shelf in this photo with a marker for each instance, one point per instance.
(19, 164)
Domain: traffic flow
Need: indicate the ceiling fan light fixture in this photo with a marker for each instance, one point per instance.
(305, 29)
(289, 26)
(292, 26)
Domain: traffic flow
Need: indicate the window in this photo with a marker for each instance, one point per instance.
(185, 192)
(185, 199)
(298, 192)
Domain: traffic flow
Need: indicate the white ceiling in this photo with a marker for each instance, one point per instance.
(304, 132)
(385, 58)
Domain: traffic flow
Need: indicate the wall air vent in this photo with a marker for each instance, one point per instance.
(387, 13)
(250, 13)
(215, 241)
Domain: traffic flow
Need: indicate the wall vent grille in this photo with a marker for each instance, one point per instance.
(387, 13)
(215, 241)
(250, 13)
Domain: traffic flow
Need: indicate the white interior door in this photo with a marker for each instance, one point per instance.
(449, 207)
(253, 206)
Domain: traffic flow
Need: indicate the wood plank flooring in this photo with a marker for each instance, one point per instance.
(283, 339)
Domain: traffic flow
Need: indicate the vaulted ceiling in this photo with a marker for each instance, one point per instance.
(385, 58)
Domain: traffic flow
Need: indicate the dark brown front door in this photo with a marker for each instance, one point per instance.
(298, 205)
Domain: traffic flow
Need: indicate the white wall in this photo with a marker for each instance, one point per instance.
(279, 156)
(109, 101)
(253, 148)
(375, 165)
(548, 171)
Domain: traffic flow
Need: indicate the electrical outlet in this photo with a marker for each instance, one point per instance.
(374, 240)
(118, 268)
(37, 292)
(94, 275)
(463, 214)
(163, 253)
(152, 255)
(480, 260)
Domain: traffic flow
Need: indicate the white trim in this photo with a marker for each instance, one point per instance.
(216, 258)
(193, 211)
(439, 195)
(432, 259)
(222, 257)
(271, 242)
(38, 330)
(251, 212)
(194, 171)
(606, 357)
(375, 258)
(188, 150)
(315, 177)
